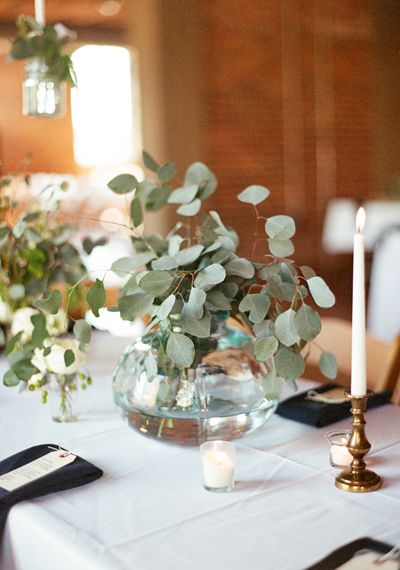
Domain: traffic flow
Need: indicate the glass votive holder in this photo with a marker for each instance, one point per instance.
(218, 459)
(339, 454)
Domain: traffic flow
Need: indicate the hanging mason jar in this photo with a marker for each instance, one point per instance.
(43, 95)
(220, 397)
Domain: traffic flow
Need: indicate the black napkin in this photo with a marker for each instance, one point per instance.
(79, 472)
(344, 553)
(321, 414)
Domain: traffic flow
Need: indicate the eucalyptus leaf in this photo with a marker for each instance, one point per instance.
(217, 299)
(320, 292)
(83, 332)
(195, 304)
(69, 357)
(200, 175)
(281, 248)
(174, 244)
(210, 276)
(123, 183)
(280, 227)
(96, 296)
(240, 266)
(230, 289)
(136, 213)
(149, 161)
(285, 329)
(165, 263)
(39, 332)
(257, 304)
(183, 195)
(254, 194)
(166, 172)
(328, 365)
(133, 306)
(307, 271)
(265, 347)
(157, 199)
(10, 378)
(196, 327)
(165, 308)
(51, 304)
(307, 323)
(156, 283)
(190, 209)
(126, 265)
(24, 369)
(189, 255)
(264, 328)
(273, 385)
(150, 363)
(180, 349)
(288, 363)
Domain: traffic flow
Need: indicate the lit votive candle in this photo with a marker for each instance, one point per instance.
(218, 459)
(339, 454)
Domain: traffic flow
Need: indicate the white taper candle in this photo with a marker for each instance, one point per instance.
(40, 12)
(358, 353)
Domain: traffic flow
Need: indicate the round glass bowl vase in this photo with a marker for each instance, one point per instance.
(43, 96)
(220, 397)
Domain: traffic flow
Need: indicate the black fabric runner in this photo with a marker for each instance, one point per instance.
(79, 472)
(346, 552)
(321, 414)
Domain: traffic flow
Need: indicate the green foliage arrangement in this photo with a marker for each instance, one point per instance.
(46, 43)
(195, 272)
(183, 280)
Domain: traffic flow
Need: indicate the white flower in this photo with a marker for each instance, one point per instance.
(6, 314)
(64, 33)
(55, 360)
(22, 322)
(57, 324)
(145, 392)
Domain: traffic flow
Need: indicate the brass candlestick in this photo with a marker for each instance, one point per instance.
(358, 479)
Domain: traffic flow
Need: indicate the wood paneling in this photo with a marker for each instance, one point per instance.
(80, 13)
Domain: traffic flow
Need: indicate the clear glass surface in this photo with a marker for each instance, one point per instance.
(220, 398)
(43, 96)
(339, 454)
(63, 397)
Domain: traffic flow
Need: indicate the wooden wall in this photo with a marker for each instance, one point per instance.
(290, 104)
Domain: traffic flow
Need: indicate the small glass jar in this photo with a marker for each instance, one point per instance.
(339, 454)
(43, 95)
(218, 459)
(63, 397)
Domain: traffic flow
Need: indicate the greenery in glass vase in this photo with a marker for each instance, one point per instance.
(180, 281)
(46, 43)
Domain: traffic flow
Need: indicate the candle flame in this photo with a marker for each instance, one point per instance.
(360, 219)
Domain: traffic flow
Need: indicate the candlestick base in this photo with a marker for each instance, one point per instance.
(369, 482)
(358, 479)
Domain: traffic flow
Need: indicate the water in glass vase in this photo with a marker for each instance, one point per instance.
(220, 397)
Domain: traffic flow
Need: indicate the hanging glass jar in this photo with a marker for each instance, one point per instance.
(43, 95)
(220, 397)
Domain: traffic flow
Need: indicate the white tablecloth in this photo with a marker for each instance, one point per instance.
(150, 511)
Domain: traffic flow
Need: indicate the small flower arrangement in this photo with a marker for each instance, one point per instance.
(35, 252)
(46, 43)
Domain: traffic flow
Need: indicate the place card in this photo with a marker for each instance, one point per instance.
(35, 469)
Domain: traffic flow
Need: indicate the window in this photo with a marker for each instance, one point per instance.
(105, 133)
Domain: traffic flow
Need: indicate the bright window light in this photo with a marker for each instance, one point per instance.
(101, 106)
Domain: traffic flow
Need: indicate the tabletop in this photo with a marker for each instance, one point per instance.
(149, 510)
